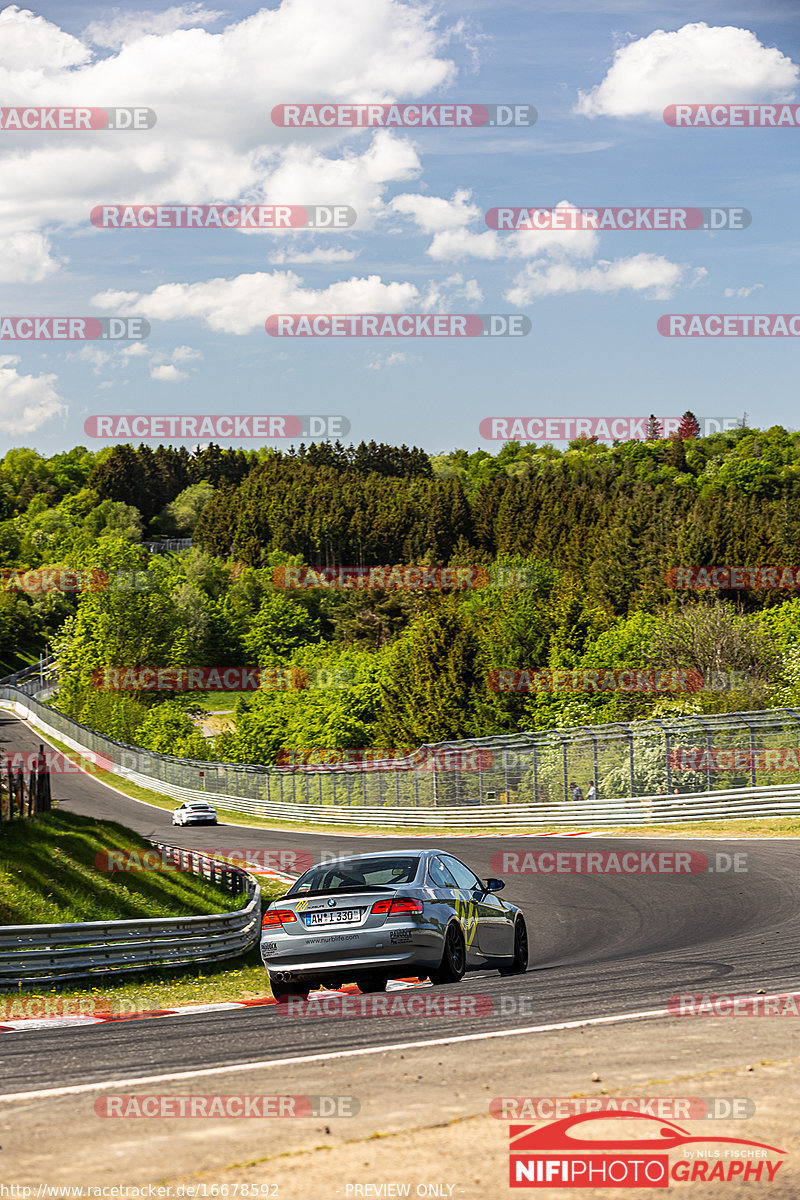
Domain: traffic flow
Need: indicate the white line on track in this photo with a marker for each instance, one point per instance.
(139, 1080)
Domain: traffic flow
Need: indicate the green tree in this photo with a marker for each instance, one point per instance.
(179, 518)
(278, 627)
(430, 677)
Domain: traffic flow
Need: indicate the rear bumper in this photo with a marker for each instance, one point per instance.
(366, 950)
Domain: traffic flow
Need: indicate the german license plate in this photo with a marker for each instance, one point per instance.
(333, 916)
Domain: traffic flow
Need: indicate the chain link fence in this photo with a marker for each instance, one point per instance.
(168, 545)
(650, 758)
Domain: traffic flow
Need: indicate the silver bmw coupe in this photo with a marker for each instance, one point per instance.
(393, 914)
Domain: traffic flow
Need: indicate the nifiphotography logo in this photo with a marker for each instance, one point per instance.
(559, 1155)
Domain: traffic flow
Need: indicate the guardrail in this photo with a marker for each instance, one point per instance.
(34, 954)
(719, 805)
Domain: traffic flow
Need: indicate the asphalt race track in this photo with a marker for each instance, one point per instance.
(600, 945)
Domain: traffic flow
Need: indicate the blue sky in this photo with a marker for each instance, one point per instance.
(212, 73)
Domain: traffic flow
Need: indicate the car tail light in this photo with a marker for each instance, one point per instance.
(274, 917)
(397, 908)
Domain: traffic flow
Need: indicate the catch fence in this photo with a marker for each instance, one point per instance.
(641, 771)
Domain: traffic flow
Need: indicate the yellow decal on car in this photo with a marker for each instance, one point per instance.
(467, 913)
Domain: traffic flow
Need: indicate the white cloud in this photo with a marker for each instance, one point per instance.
(395, 359)
(743, 292)
(27, 402)
(110, 300)
(696, 64)
(167, 373)
(551, 268)
(25, 258)
(184, 354)
(212, 93)
(243, 303)
(135, 350)
(94, 355)
(120, 28)
(443, 294)
(31, 44)
(359, 180)
(433, 214)
(641, 273)
(453, 244)
(310, 257)
(453, 240)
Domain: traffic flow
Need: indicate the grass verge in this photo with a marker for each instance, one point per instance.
(48, 874)
(204, 983)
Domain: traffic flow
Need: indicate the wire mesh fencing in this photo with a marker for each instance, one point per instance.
(574, 767)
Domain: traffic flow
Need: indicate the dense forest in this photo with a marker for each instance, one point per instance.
(591, 532)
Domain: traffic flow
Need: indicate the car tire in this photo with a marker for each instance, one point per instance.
(372, 983)
(454, 957)
(283, 991)
(519, 963)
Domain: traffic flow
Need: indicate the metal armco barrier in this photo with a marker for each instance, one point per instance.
(643, 771)
(638, 810)
(81, 950)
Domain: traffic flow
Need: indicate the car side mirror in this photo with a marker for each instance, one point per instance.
(495, 885)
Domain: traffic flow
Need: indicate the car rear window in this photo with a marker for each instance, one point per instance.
(357, 872)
